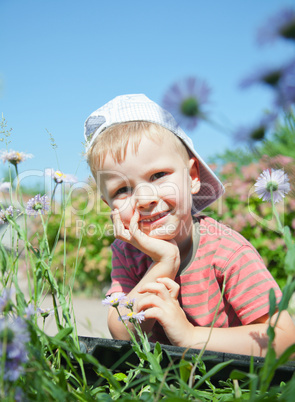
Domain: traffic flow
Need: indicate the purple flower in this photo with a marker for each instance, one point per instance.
(268, 76)
(281, 79)
(185, 100)
(286, 88)
(272, 181)
(37, 205)
(13, 338)
(254, 133)
(128, 303)
(280, 25)
(133, 317)
(45, 312)
(60, 177)
(114, 300)
(5, 214)
(29, 311)
(5, 300)
(14, 157)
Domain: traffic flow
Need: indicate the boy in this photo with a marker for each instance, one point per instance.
(179, 266)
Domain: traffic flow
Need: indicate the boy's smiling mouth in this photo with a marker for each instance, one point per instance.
(154, 218)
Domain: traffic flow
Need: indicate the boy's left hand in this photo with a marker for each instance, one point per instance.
(161, 303)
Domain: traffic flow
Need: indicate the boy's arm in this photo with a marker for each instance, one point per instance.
(251, 339)
(162, 305)
(166, 260)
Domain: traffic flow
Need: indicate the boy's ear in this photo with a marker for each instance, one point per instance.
(195, 175)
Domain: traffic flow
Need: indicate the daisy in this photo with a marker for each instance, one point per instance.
(5, 213)
(268, 76)
(14, 157)
(114, 300)
(185, 100)
(133, 317)
(38, 204)
(60, 177)
(281, 25)
(254, 133)
(274, 183)
(45, 312)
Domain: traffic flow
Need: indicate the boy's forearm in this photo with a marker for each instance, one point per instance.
(155, 271)
(249, 339)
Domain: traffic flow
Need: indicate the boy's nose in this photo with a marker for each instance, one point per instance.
(145, 195)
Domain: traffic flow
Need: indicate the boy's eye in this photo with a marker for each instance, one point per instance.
(122, 190)
(158, 175)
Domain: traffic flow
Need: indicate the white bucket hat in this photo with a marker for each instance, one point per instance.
(137, 107)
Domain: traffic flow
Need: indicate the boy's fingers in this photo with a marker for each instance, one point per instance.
(171, 285)
(157, 289)
(120, 231)
(134, 222)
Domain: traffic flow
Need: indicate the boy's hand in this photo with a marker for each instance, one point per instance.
(158, 250)
(160, 302)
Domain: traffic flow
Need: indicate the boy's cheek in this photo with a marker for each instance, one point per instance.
(125, 214)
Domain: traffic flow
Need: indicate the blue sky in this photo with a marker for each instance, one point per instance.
(61, 60)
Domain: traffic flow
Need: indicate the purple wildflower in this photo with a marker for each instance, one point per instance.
(14, 157)
(185, 100)
(268, 76)
(280, 25)
(13, 338)
(128, 303)
(114, 300)
(255, 133)
(272, 181)
(5, 300)
(60, 177)
(37, 205)
(133, 317)
(29, 311)
(286, 88)
(281, 79)
(45, 312)
(5, 214)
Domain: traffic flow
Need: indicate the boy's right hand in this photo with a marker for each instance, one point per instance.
(159, 250)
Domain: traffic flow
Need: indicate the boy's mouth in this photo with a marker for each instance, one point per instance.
(154, 217)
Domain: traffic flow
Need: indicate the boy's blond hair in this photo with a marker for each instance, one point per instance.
(115, 139)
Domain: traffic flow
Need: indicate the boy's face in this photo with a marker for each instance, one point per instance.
(156, 181)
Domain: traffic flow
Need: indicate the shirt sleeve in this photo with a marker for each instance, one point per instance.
(128, 267)
(248, 283)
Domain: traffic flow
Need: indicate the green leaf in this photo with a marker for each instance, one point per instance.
(272, 302)
(290, 260)
(158, 352)
(287, 294)
(185, 369)
(120, 377)
(62, 334)
(288, 236)
(213, 371)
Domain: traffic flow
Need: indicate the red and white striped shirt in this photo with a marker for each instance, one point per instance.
(220, 255)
